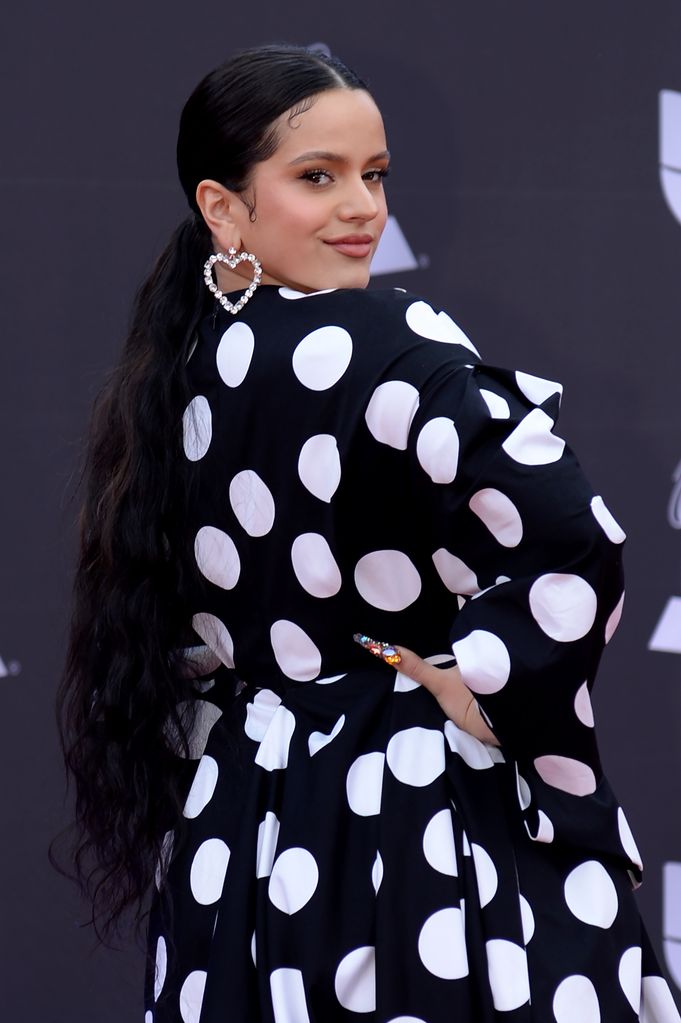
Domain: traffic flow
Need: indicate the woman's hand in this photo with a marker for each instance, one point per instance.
(446, 685)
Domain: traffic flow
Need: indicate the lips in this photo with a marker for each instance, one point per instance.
(357, 245)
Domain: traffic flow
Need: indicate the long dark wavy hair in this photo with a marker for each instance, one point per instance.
(125, 675)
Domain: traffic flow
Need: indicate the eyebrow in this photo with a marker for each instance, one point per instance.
(318, 154)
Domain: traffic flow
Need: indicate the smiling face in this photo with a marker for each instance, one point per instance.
(320, 207)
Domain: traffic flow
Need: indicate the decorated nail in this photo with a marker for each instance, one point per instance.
(385, 651)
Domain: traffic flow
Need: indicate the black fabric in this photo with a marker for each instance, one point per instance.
(356, 467)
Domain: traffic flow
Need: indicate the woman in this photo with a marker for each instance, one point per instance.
(284, 467)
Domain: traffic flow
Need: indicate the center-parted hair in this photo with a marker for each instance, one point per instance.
(122, 734)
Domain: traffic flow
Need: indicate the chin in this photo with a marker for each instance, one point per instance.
(354, 278)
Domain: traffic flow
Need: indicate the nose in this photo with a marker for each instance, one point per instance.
(359, 202)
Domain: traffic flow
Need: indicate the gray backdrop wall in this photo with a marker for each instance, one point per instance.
(536, 194)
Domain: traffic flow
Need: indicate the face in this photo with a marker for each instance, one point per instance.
(320, 206)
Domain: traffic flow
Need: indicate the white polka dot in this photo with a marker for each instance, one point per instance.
(161, 966)
(297, 656)
(545, 830)
(164, 858)
(234, 353)
(583, 708)
(499, 514)
(508, 976)
(472, 751)
(318, 740)
(364, 784)
(268, 834)
(591, 895)
(438, 843)
(203, 684)
(203, 787)
(606, 520)
(576, 1001)
(253, 949)
(355, 980)
(199, 717)
(294, 879)
(532, 443)
(215, 635)
(498, 406)
(252, 502)
(390, 411)
(437, 449)
(537, 389)
(406, 1019)
(273, 751)
(287, 989)
(387, 579)
(191, 996)
(614, 620)
(563, 605)
(208, 870)
(416, 756)
(524, 794)
(290, 293)
(629, 974)
(657, 1004)
(442, 944)
(329, 679)
(455, 573)
(423, 320)
(217, 557)
(377, 872)
(483, 660)
(627, 839)
(404, 684)
(486, 874)
(259, 712)
(314, 565)
(322, 357)
(197, 428)
(319, 466)
(527, 919)
(566, 774)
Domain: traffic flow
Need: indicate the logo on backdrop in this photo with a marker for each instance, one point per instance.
(670, 149)
(671, 919)
(9, 668)
(667, 634)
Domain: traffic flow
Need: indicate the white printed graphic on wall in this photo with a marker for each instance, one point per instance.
(393, 255)
(670, 149)
(671, 919)
(667, 634)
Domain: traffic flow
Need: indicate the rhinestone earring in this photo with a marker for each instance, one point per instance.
(232, 259)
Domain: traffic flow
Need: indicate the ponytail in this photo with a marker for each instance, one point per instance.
(121, 685)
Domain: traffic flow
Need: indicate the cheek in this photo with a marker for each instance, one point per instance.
(297, 215)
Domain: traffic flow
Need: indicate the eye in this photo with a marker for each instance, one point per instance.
(378, 174)
(314, 175)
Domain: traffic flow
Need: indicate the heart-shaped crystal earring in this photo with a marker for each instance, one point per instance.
(232, 260)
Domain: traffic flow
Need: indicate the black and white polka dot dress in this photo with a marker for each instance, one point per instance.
(346, 852)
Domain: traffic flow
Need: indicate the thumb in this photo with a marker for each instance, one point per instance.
(413, 666)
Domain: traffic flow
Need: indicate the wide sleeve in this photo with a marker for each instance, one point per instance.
(534, 559)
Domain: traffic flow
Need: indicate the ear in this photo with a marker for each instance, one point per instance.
(220, 210)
